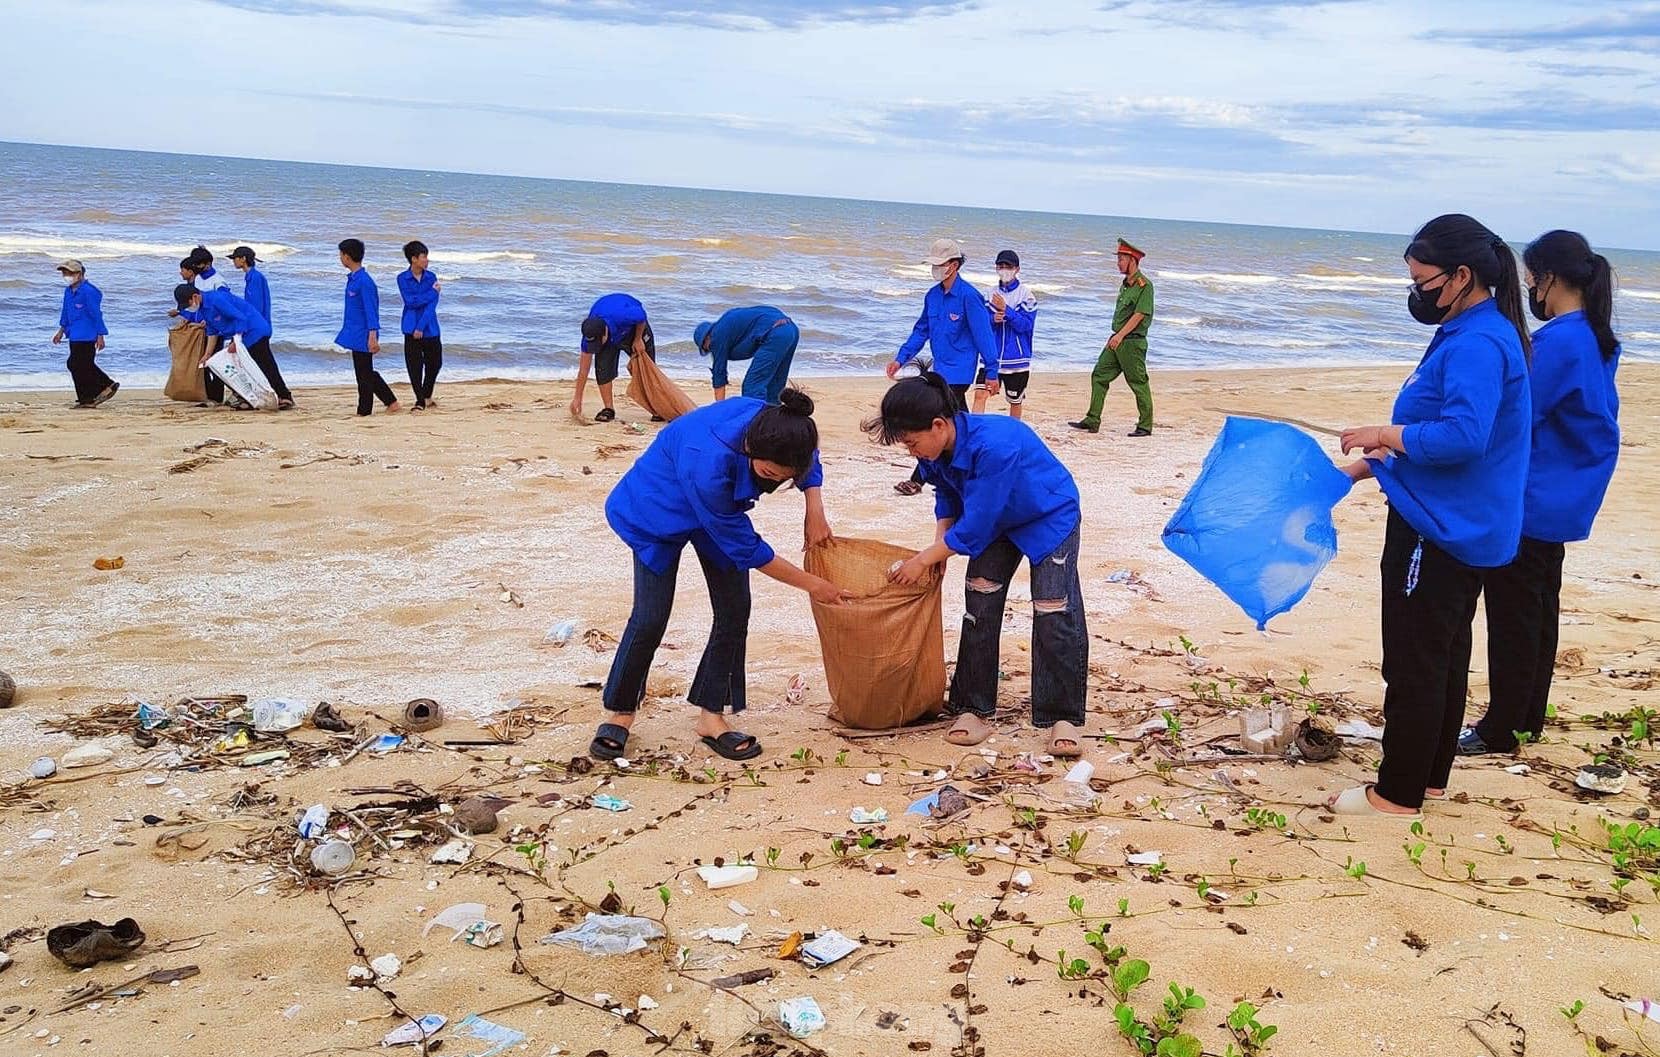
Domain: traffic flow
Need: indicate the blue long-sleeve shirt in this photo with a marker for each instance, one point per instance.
(256, 290)
(1000, 479)
(957, 327)
(226, 314)
(694, 485)
(736, 335)
(420, 302)
(1014, 334)
(1576, 430)
(82, 316)
(1466, 412)
(622, 313)
(362, 312)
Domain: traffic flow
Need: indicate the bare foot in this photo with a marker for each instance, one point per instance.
(1439, 794)
(393, 408)
(710, 724)
(969, 729)
(1064, 742)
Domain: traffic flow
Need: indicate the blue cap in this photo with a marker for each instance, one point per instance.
(699, 334)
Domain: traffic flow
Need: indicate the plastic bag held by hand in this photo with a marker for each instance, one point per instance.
(1257, 521)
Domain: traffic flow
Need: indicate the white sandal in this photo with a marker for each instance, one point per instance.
(1354, 801)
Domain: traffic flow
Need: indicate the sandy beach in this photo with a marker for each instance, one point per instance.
(317, 556)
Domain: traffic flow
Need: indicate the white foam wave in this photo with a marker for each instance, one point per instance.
(1221, 278)
(58, 247)
(479, 256)
(1179, 321)
(1641, 295)
(1353, 281)
(1641, 335)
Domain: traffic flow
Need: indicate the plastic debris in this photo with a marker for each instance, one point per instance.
(500, 1037)
(1518, 768)
(797, 690)
(387, 743)
(413, 1032)
(278, 715)
(925, 806)
(1358, 729)
(733, 934)
(1145, 858)
(45, 767)
(233, 740)
(359, 975)
(791, 946)
(457, 918)
(1022, 880)
(739, 909)
(608, 934)
(105, 565)
(1081, 773)
(727, 876)
(800, 1016)
(1119, 576)
(257, 759)
(386, 967)
(1077, 785)
(152, 717)
(607, 802)
(873, 778)
(87, 756)
(560, 633)
(315, 822)
(1607, 778)
(1257, 521)
(827, 948)
(483, 934)
(456, 852)
(333, 858)
(1645, 1007)
(860, 817)
(646, 1002)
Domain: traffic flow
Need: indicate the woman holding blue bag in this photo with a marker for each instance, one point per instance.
(1453, 464)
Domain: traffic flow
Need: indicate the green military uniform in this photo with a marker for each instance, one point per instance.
(1130, 358)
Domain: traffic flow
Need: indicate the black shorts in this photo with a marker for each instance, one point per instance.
(1013, 383)
(608, 359)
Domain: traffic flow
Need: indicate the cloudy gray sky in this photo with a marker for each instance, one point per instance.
(1349, 114)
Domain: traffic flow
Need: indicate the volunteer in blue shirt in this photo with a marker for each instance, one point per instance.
(1013, 309)
(204, 277)
(225, 313)
(762, 335)
(256, 291)
(616, 322)
(696, 484)
(1576, 441)
(423, 352)
(1453, 466)
(956, 327)
(360, 331)
(1000, 495)
(81, 320)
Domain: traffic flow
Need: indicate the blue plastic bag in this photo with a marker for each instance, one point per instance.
(1257, 521)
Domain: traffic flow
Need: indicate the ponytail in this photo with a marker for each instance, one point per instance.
(1567, 257)
(1508, 292)
(911, 405)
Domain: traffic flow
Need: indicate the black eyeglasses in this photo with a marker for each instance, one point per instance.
(1419, 286)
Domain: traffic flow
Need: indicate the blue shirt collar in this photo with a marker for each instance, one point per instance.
(959, 450)
(1470, 316)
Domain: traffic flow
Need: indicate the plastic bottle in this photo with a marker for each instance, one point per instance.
(315, 822)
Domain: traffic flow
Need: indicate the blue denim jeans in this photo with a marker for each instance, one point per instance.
(719, 683)
(1060, 639)
(769, 370)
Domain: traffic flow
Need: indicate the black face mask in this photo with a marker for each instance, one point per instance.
(1536, 305)
(766, 485)
(1423, 307)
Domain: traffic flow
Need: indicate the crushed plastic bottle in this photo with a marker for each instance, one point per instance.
(801, 1016)
(560, 633)
(315, 822)
(608, 934)
(1076, 784)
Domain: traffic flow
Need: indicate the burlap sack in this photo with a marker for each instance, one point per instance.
(655, 391)
(884, 652)
(184, 378)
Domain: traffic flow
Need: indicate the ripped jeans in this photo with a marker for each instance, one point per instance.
(1060, 640)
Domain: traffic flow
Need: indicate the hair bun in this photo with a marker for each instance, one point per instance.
(795, 401)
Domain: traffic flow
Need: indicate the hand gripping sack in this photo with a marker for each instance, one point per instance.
(884, 652)
(186, 344)
(655, 391)
(1257, 521)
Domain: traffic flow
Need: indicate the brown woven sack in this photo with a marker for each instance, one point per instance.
(184, 378)
(655, 391)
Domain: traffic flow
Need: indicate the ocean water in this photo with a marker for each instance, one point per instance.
(523, 259)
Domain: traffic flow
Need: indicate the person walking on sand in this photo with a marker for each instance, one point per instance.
(81, 320)
(696, 484)
(1453, 464)
(616, 322)
(1126, 351)
(1575, 444)
(360, 331)
(762, 335)
(256, 292)
(999, 495)
(1013, 309)
(956, 326)
(423, 351)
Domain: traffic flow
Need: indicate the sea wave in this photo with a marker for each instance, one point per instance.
(479, 256)
(87, 249)
(1221, 278)
(1641, 295)
(1345, 280)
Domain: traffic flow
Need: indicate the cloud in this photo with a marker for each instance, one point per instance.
(1629, 28)
(1261, 16)
(722, 14)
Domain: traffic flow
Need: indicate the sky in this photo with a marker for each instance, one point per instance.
(1349, 114)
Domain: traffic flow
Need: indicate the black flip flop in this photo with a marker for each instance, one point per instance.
(610, 740)
(605, 415)
(730, 745)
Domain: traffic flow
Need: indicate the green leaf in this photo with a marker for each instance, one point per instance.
(1180, 1046)
(1130, 975)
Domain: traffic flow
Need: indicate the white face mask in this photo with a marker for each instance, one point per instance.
(1005, 275)
(940, 271)
(71, 280)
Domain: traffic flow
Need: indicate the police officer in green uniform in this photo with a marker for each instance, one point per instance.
(1126, 351)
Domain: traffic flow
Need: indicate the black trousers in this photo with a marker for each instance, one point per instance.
(1429, 600)
(962, 392)
(1524, 606)
(370, 384)
(260, 352)
(212, 383)
(90, 379)
(425, 358)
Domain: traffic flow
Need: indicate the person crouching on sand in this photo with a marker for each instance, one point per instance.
(360, 331)
(1454, 466)
(696, 484)
(999, 494)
